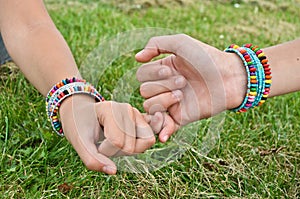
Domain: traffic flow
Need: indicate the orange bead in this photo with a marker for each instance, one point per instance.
(268, 77)
(243, 51)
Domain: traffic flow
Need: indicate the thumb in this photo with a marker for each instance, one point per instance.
(160, 45)
(90, 156)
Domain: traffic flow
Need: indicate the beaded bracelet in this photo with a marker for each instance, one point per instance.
(266, 68)
(258, 75)
(251, 77)
(60, 92)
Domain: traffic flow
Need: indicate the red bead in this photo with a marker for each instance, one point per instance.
(247, 56)
(266, 65)
(248, 45)
(252, 69)
(242, 110)
(268, 73)
(258, 52)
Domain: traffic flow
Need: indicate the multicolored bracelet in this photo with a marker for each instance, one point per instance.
(258, 75)
(60, 92)
(266, 69)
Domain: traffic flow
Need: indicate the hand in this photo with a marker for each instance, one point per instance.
(206, 80)
(125, 131)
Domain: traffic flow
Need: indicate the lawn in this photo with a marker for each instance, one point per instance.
(251, 155)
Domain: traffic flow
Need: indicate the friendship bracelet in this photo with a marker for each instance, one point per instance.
(60, 92)
(267, 70)
(251, 84)
(258, 75)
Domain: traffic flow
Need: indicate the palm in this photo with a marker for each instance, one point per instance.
(198, 89)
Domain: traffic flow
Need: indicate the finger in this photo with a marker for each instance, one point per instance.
(159, 45)
(78, 133)
(89, 155)
(108, 148)
(145, 135)
(156, 121)
(153, 71)
(169, 127)
(150, 89)
(128, 123)
(162, 102)
(119, 127)
(107, 119)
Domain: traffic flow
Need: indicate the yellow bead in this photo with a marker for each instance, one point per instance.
(252, 77)
(235, 46)
(261, 55)
(265, 96)
(253, 93)
(268, 81)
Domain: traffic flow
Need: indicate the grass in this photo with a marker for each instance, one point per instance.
(257, 155)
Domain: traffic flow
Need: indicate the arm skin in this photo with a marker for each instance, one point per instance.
(35, 44)
(284, 60)
(216, 80)
(38, 48)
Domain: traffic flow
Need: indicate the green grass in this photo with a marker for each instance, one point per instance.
(257, 155)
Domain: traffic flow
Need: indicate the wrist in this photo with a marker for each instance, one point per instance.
(68, 88)
(74, 100)
(235, 81)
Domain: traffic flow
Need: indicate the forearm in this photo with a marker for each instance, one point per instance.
(35, 44)
(284, 60)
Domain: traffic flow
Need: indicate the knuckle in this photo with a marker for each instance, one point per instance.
(153, 40)
(143, 90)
(151, 141)
(139, 74)
(182, 36)
(129, 149)
(91, 164)
(146, 105)
(117, 143)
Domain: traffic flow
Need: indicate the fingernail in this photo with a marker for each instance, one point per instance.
(162, 72)
(140, 53)
(155, 119)
(165, 138)
(109, 170)
(177, 94)
(179, 81)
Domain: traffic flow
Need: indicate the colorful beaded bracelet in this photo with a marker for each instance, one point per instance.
(260, 76)
(258, 73)
(251, 77)
(60, 92)
(266, 68)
